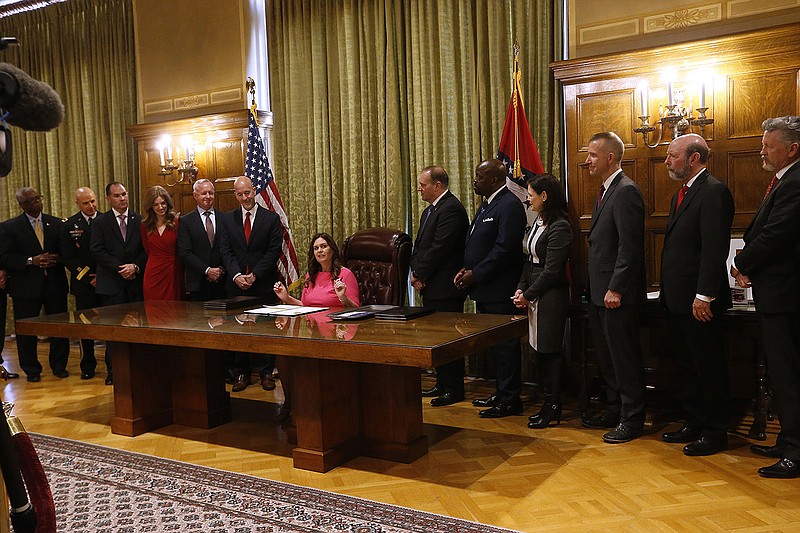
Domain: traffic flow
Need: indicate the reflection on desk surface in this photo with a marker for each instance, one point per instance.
(189, 317)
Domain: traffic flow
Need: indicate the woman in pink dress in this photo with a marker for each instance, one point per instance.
(162, 273)
(328, 284)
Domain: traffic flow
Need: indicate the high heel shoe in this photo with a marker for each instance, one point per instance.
(549, 411)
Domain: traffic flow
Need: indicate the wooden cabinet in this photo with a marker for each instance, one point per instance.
(220, 142)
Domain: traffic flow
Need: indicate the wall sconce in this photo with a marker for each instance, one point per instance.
(187, 170)
(677, 118)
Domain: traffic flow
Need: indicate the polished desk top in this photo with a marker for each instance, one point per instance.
(424, 342)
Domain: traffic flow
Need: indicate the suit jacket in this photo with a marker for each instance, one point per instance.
(439, 248)
(259, 256)
(616, 243)
(552, 249)
(111, 251)
(696, 245)
(77, 255)
(771, 255)
(194, 249)
(493, 249)
(20, 243)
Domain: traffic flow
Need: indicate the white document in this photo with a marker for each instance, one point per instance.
(284, 310)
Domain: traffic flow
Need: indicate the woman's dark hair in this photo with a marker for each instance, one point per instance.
(150, 219)
(555, 206)
(314, 267)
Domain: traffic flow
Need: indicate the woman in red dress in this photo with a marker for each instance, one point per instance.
(162, 274)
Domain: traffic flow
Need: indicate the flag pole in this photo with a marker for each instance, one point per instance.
(517, 169)
(250, 84)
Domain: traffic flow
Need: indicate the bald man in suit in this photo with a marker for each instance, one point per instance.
(695, 292)
(251, 240)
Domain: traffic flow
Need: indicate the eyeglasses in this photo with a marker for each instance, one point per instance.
(31, 199)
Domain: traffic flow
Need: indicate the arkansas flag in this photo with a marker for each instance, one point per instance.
(517, 147)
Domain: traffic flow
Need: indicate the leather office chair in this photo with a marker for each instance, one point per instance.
(379, 259)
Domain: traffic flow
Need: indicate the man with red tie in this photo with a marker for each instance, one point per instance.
(770, 262)
(250, 243)
(695, 292)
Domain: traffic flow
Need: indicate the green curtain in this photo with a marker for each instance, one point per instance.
(84, 49)
(366, 94)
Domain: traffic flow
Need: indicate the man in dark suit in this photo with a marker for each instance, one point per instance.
(695, 293)
(198, 246)
(769, 261)
(251, 240)
(77, 256)
(493, 261)
(37, 279)
(616, 288)
(116, 244)
(435, 261)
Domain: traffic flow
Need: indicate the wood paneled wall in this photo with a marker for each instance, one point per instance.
(755, 76)
(221, 145)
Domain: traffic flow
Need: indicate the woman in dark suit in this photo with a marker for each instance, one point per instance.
(544, 288)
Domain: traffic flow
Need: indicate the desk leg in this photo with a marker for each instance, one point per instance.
(199, 398)
(325, 413)
(142, 395)
(391, 413)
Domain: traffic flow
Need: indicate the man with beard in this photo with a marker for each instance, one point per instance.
(769, 261)
(695, 292)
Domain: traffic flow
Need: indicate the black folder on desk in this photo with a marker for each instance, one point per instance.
(360, 313)
(403, 313)
(237, 302)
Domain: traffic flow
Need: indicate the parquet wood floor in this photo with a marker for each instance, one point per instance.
(498, 472)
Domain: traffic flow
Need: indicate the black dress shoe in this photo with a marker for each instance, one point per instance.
(242, 382)
(501, 410)
(6, 375)
(622, 433)
(34, 378)
(110, 379)
(767, 451)
(61, 373)
(87, 375)
(267, 383)
(783, 469)
(603, 421)
(491, 401)
(432, 392)
(548, 412)
(706, 446)
(683, 435)
(448, 398)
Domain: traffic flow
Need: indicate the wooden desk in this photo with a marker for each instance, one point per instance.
(356, 384)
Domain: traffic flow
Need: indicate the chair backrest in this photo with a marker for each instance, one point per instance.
(379, 258)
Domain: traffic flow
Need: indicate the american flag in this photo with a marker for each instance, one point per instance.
(256, 167)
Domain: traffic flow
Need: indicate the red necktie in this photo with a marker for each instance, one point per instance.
(247, 227)
(600, 194)
(681, 195)
(771, 185)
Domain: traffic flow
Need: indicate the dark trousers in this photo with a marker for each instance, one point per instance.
(782, 346)
(507, 355)
(208, 291)
(84, 301)
(449, 376)
(26, 344)
(699, 349)
(615, 334)
(3, 306)
(129, 293)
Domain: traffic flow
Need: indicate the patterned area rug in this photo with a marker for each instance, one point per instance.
(100, 489)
